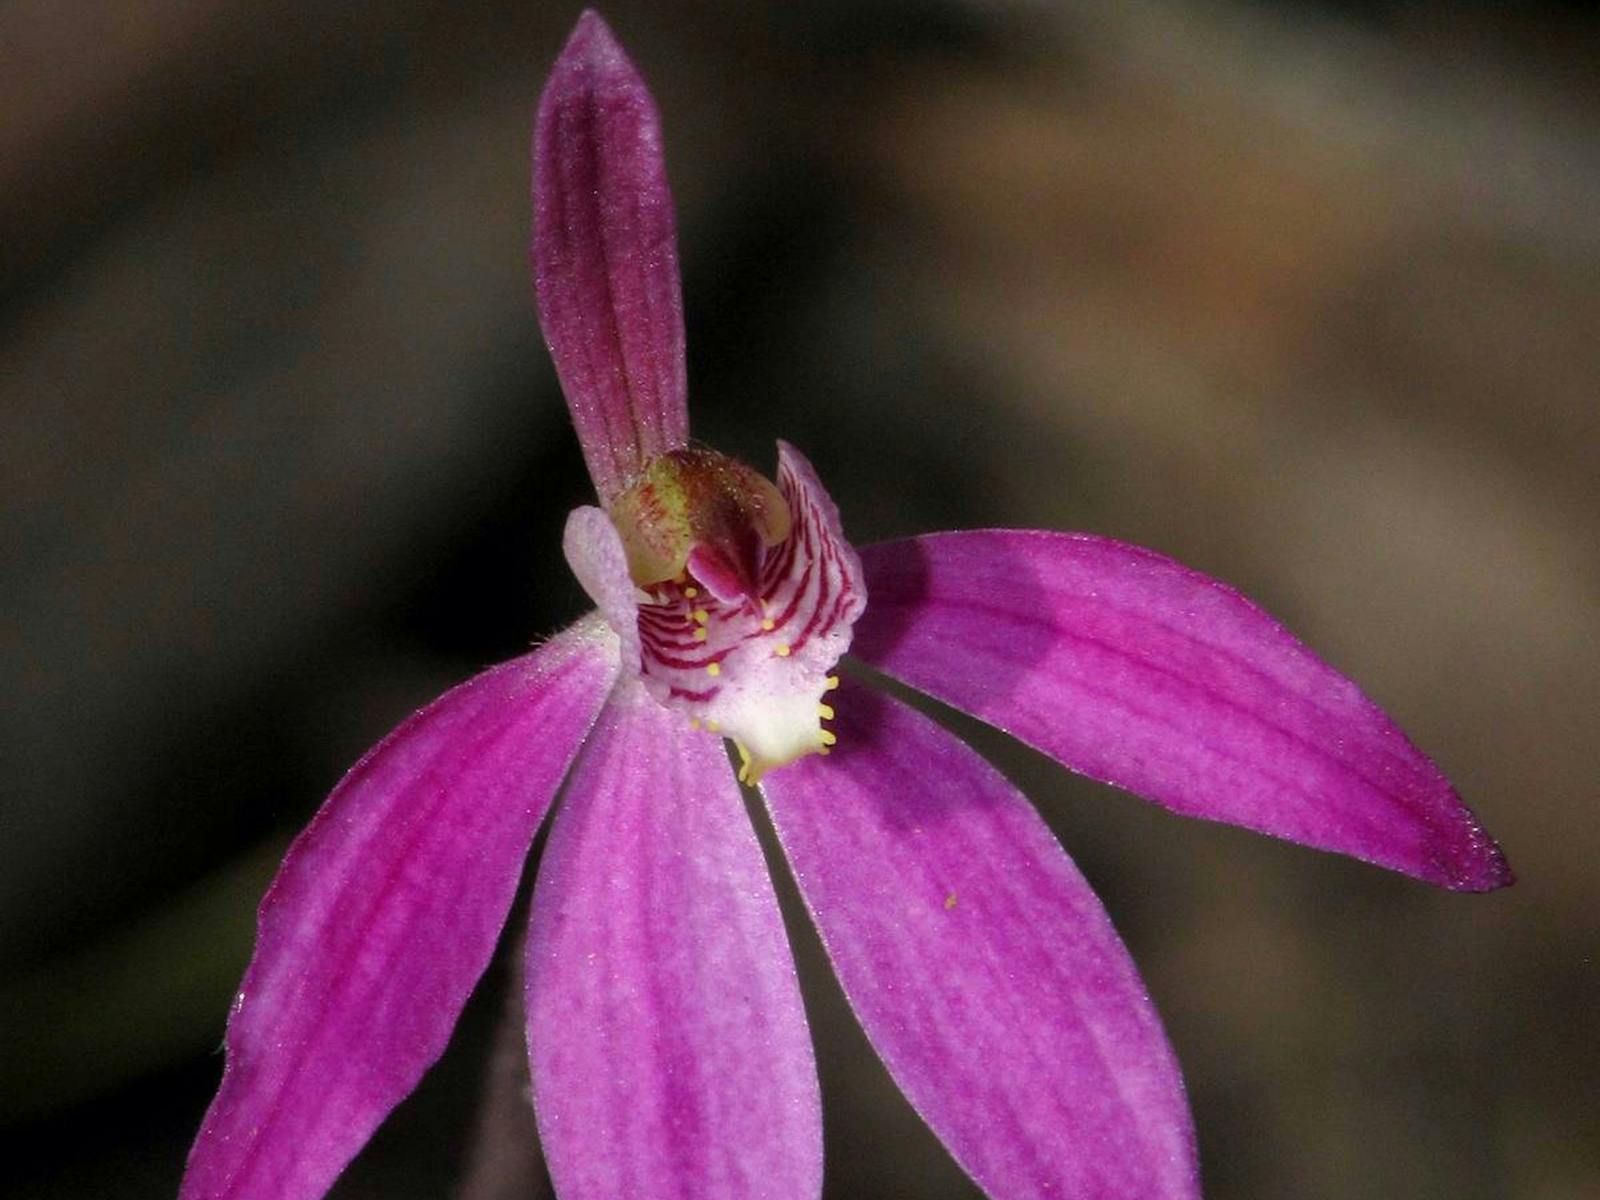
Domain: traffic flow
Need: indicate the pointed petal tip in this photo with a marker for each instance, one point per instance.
(1453, 851)
(591, 43)
(593, 63)
(591, 23)
(1484, 870)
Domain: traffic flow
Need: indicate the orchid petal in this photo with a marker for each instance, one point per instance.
(668, 1047)
(605, 258)
(594, 552)
(982, 967)
(1134, 670)
(383, 917)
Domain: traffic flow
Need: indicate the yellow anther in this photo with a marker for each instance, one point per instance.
(701, 616)
(768, 623)
(691, 592)
(714, 726)
(831, 682)
(823, 751)
(825, 712)
(713, 668)
(694, 722)
(744, 762)
(781, 649)
(701, 635)
(829, 737)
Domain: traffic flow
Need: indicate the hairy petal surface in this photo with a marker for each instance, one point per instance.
(980, 964)
(668, 1047)
(605, 258)
(1134, 670)
(383, 917)
(594, 552)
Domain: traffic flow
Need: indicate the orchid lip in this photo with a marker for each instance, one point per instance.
(751, 663)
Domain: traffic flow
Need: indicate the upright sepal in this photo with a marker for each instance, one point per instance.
(605, 259)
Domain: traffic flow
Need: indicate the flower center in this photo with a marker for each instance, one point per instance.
(747, 595)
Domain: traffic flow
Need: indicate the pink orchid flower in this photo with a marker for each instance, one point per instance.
(667, 1042)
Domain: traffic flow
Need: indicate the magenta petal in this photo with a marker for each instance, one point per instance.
(980, 964)
(1134, 670)
(669, 1049)
(383, 917)
(605, 258)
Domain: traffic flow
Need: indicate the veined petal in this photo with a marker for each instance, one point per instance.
(383, 917)
(980, 964)
(756, 668)
(1132, 669)
(605, 258)
(669, 1050)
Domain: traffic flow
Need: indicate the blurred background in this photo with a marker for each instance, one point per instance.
(1305, 295)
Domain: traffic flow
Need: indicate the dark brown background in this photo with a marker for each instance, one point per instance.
(1306, 296)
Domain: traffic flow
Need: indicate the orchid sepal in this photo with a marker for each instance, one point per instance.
(655, 944)
(1133, 669)
(383, 916)
(605, 258)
